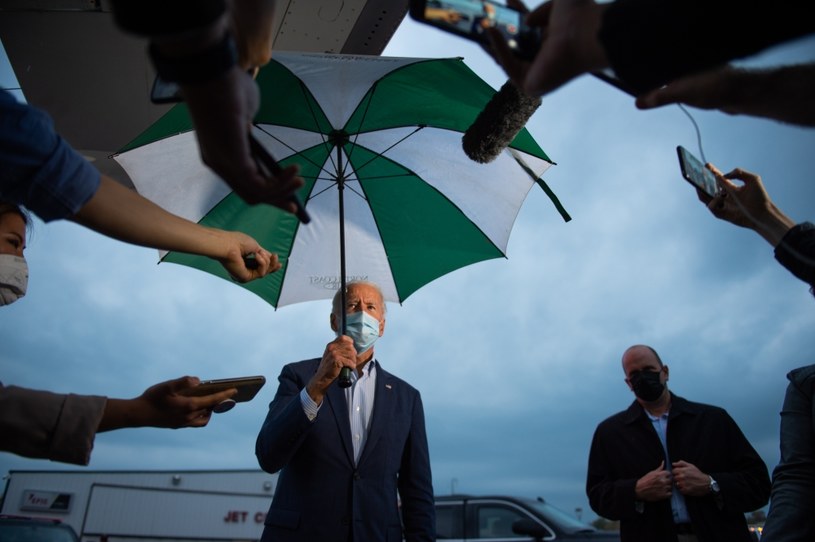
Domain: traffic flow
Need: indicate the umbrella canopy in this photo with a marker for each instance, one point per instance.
(382, 135)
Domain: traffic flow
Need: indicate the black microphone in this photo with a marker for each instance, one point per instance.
(496, 126)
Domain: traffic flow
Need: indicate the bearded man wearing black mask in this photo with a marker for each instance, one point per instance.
(672, 470)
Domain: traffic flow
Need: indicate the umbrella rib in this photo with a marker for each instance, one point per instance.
(370, 98)
(381, 154)
(314, 195)
(305, 158)
(325, 140)
(292, 149)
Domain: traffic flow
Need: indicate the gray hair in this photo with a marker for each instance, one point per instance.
(335, 303)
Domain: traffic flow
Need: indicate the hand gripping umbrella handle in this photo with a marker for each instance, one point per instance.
(344, 380)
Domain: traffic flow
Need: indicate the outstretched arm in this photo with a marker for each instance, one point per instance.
(163, 405)
(784, 93)
(749, 206)
(122, 213)
(646, 43)
(63, 427)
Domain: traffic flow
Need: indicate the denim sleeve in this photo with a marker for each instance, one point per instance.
(38, 169)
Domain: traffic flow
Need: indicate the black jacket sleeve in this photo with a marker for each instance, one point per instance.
(796, 252)
(652, 42)
(165, 17)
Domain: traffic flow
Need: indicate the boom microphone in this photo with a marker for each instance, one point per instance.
(496, 126)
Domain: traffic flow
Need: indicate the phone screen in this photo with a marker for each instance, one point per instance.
(471, 18)
(695, 172)
(165, 92)
(248, 387)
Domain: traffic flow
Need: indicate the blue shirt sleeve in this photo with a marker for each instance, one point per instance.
(38, 169)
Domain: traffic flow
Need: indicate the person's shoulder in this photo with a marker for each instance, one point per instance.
(622, 417)
(302, 365)
(680, 404)
(803, 377)
(390, 379)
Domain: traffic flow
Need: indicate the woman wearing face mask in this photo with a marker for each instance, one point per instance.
(13, 268)
(62, 427)
(40, 171)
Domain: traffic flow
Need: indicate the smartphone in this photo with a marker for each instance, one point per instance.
(471, 18)
(165, 92)
(608, 76)
(695, 172)
(248, 387)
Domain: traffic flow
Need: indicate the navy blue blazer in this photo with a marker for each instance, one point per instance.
(321, 495)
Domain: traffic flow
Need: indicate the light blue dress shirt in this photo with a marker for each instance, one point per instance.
(680, 510)
(359, 397)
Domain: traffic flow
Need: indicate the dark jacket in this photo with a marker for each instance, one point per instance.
(796, 252)
(156, 18)
(626, 446)
(320, 493)
(792, 505)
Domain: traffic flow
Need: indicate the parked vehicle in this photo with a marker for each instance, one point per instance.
(504, 518)
(27, 529)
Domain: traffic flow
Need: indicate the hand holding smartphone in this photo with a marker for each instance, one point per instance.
(470, 19)
(248, 387)
(695, 172)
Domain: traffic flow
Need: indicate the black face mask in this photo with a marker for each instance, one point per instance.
(646, 385)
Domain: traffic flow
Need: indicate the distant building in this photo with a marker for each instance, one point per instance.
(155, 506)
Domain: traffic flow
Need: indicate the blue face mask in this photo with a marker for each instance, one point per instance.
(363, 329)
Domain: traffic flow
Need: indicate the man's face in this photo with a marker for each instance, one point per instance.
(363, 298)
(642, 360)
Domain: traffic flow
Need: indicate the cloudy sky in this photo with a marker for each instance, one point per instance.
(517, 359)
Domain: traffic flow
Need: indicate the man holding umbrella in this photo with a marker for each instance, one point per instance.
(344, 454)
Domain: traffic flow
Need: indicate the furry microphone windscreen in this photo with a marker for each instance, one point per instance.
(496, 126)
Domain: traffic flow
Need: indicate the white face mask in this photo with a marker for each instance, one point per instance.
(363, 328)
(13, 278)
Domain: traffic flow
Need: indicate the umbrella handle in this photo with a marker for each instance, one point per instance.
(344, 380)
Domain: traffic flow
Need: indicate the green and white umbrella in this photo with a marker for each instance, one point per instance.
(385, 130)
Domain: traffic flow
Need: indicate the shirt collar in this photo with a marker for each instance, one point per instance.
(368, 370)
